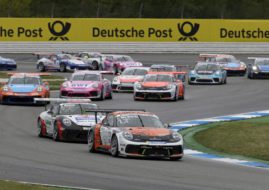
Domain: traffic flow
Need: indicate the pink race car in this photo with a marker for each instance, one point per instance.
(117, 63)
(87, 84)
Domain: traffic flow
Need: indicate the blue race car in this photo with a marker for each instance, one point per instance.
(60, 62)
(207, 73)
(7, 64)
(258, 69)
(232, 65)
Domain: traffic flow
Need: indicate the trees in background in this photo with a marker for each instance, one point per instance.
(240, 9)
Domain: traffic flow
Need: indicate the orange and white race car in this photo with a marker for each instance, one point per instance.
(160, 85)
(22, 88)
(134, 134)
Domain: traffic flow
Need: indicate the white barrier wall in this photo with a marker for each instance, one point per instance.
(135, 47)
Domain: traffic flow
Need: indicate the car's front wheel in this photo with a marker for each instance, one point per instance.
(62, 67)
(176, 158)
(114, 146)
(41, 67)
(91, 144)
(41, 131)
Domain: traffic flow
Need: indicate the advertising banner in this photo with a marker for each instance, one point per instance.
(133, 30)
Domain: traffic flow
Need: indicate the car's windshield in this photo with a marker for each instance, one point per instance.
(262, 62)
(123, 58)
(76, 109)
(64, 56)
(136, 120)
(86, 77)
(24, 80)
(159, 78)
(132, 71)
(207, 67)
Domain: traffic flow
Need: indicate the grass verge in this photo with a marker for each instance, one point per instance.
(248, 138)
(9, 185)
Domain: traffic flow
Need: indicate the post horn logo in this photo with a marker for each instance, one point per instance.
(59, 34)
(189, 34)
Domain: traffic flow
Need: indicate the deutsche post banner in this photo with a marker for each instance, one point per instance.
(133, 30)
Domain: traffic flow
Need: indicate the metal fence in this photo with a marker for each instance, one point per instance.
(135, 47)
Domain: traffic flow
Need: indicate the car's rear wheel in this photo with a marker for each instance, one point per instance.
(176, 95)
(62, 67)
(110, 96)
(55, 134)
(91, 144)
(114, 146)
(95, 65)
(41, 131)
(41, 67)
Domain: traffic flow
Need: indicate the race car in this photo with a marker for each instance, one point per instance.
(207, 73)
(22, 88)
(125, 81)
(7, 64)
(161, 86)
(94, 59)
(232, 65)
(117, 63)
(87, 84)
(135, 134)
(171, 68)
(59, 62)
(67, 119)
(259, 68)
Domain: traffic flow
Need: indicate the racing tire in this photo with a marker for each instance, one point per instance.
(190, 83)
(114, 151)
(176, 95)
(41, 67)
(102, 96)
(175, 158)
(55, 134)
(40, 128)
(95, 65)
(183, 96)
(62, 67)
(91, 144)
(110, 97)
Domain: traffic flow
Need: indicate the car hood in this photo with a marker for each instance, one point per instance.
(81, 84)
(22, 88)
(264, 67)
(232, 65)
(155, 84)
(130, 63)
(76, 62)
(130, 78)
(204, 72)
(147, 131)
(84, 120)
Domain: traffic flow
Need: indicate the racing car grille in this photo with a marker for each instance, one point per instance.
(153, 150)
(204, 80)
(156, 95)
(263, 75)
(20, 99)
(79, 94)
(126, 88)
(154, 88)
(235, 72)
(143, 138)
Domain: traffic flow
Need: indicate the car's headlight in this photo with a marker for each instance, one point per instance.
(138, 86)
(39, 89)
(127, 135)
(64, 85)
(243, 65)
(67, 122)
(176, 136)
(94, 85)
(170, 86)
(255, 68)
(116, 80)
(217, 72)
(5, 88)
(192, 72)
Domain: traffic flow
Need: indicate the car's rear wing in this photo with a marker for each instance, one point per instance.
(107, 111)
(181, 75)
(253, 58)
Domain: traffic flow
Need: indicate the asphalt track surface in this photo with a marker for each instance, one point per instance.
(25, 157)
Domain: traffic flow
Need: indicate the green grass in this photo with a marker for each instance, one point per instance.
(248, 138)
(8, 185)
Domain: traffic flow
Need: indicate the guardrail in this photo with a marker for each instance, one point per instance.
(135, 47)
